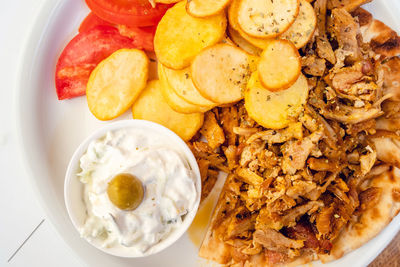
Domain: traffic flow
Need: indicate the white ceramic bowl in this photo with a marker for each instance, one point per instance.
(73, 188)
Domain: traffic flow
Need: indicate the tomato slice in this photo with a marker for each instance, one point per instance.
(81, 56)
(143, 37)
(132, 13)
(92, 21)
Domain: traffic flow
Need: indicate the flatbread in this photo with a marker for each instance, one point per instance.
(349, 5)
(383, 40)
(391, 79)
(373, 220)
(388, 150)
(212, 248)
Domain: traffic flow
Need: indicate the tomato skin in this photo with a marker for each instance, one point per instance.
(81, 56)
(92, 21)
(129, 13)
(142, 37)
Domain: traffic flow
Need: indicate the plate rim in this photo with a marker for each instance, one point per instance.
(30, 43)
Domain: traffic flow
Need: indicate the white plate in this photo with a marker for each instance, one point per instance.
(51, 130)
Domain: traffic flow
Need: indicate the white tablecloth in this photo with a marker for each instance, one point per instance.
(20, 212)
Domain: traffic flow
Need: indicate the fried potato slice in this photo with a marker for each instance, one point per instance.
(176, 102)
(227, 40)
(182, 84)
(242, 43)
(266, 19)
(152, 106)
(233, 23)
(303, 27)
(179, 37)
(220, 73)
(116, 82)
(279, 65)
(205, 8)
(275, 110)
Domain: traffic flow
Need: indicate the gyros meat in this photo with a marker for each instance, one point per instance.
(328, 181)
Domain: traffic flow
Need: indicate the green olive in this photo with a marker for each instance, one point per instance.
(125, 191)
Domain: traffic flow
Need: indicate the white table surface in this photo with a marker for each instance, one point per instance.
(21, 212)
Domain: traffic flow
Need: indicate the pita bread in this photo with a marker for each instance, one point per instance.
(391, 81)
(383, 40)
(388, 150)
(349, 5)
(212, 248)
(388, 124)
(371, 221)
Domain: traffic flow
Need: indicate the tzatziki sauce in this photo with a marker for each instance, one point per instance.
(167, 179)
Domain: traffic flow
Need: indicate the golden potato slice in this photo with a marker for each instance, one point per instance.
(243, 43)
(275, 110)
(268, 18)
(233, 23)
(176, 102)
(179, 37)
(182, 84)
(227, 40)
(152, 106)
(220, 73)
(205, 8)
(279, 65)
(116, 82)
(303, 27)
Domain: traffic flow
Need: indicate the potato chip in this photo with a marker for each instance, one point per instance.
(303, 27)
(279, 65)
(116, 82)
(205, 8)
(182, 84)
(233, 23)
(176, 102)
(266, 19)
(152, 106)
(243, 43)
(220, 73)
(180, 37)
(274, 110)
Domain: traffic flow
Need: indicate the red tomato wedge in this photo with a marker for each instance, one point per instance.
(81, 56)
(142, 37)
(92, 21)
(132, 13)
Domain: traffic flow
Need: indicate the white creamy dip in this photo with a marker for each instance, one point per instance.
(168, 182)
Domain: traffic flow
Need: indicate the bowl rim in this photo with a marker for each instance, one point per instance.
(148, 126)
